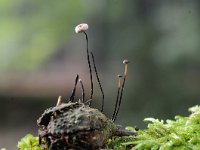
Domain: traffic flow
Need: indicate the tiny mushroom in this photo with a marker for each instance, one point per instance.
(125, 61)
(119, 95)
(81, 28)
(126, 67)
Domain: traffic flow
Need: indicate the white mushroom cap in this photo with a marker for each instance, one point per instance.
(126, 61)
(81, 27)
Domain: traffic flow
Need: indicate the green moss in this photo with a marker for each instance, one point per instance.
(29, 142)
(183, 133)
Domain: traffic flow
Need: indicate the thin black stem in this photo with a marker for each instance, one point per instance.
(117, 101)
(74, 89)
(100, 86)
(88, 59)
(120, 98)
(116, 106)
(83, 91)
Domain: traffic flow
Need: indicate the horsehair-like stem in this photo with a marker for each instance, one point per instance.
(83, 91)
(98, 79)
(122, 88)
(74, 89)
(117, 99)
(88, 59)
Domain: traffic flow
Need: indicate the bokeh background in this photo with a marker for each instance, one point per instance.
(40, 55)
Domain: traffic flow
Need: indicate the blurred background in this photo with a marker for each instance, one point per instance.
(40, 55)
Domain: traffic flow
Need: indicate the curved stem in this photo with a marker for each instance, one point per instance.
(95, 69)
(83, 91)
(74, 89)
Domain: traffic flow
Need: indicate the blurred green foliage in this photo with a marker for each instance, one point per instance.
(31, 31)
